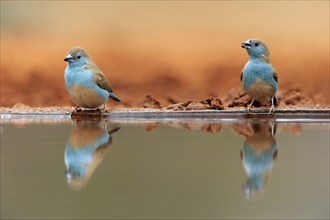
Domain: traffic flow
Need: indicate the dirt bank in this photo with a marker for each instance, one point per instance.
(235, 99)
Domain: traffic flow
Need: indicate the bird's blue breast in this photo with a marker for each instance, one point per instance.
(255, 163)
(263, 72)
(78, 76)
(82, 89)
(258, 80)
(78, 157)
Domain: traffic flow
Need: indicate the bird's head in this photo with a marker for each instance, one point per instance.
(76, 179)
(77, 56)
(256, 49)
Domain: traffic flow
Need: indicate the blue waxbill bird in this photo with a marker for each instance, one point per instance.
(87, 86)
(259, 78)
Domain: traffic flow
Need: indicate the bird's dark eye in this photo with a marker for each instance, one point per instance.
(256, 44)
(79, 57)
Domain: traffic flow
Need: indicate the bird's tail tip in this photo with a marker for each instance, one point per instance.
(114, 130)
(114, 97)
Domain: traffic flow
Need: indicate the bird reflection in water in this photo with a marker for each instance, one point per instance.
(258, 153)
(86, 148)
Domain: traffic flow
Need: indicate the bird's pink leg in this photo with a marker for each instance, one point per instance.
(249, 107)
(272, 108)
(104, 110)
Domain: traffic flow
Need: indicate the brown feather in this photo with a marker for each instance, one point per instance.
(101, 81)
(275, 77)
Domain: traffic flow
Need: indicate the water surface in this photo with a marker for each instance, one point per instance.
(243, 169)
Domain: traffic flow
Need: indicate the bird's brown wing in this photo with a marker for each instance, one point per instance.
(275, 76)
(101, 81)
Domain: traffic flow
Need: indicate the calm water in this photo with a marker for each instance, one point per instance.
(253, 169)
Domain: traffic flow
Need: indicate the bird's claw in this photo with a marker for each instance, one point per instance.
(104, 110)
(248, 110)
(271, 110)
(77, 109)
(249, 107)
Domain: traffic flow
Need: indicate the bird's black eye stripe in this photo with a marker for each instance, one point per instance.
(79, 57)
(256, 44)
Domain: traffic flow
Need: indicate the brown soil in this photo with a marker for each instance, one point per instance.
(236, 99)
(19, 107)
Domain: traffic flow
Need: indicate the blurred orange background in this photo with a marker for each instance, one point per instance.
(179, 51)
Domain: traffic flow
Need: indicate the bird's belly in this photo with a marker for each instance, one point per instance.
(260, 91)
(86, 97)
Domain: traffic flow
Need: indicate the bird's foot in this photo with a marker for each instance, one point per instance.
(78, 109)
(104, 110)
(272, 110)
(249, 107)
